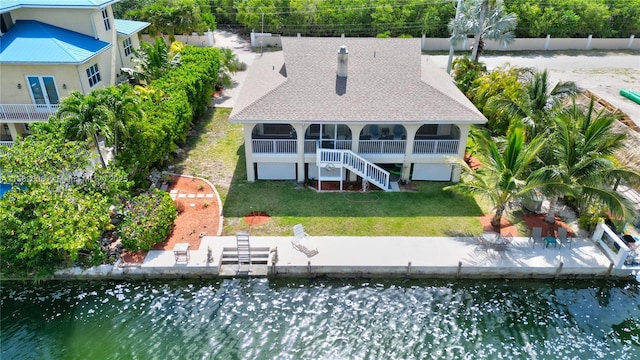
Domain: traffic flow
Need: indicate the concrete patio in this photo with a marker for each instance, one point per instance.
(342, 256)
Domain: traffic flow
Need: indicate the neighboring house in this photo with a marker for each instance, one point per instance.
(50, 48)
(337, 109)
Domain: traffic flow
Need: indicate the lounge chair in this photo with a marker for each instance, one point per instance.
(563, 238)
(299, 237)
(536, 236)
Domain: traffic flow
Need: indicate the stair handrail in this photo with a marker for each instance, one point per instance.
(354, 162)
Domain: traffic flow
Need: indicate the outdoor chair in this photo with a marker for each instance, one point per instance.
(563, 238)
(299, 237)
(536, 236)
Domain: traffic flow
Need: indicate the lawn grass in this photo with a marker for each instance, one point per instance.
(216, 152)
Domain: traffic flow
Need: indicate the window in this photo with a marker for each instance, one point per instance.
(93, 74)
(105, 19)
(127, 46)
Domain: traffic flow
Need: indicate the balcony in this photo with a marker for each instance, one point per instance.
(26, 112)
(371, 147)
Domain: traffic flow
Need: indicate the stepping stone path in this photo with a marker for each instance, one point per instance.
(174, 194)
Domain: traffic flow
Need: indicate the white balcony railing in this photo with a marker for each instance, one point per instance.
(365, 146)
(382, 146)
(26, 112)
(435, 146)
(274, 146)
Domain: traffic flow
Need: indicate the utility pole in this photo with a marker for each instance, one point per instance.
(451, 45)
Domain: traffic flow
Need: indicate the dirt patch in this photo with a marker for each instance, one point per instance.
(532, 220)
(537, 220)
(133, 257)
(506, 227)
(256, 218)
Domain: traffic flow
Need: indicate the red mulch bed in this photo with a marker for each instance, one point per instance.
(198, 216)
(257, 218)
(532, 220)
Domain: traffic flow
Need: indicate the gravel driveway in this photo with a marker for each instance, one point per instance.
(603, 73)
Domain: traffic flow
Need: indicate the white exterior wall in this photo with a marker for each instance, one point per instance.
(533, 44)
(12, 75)
(433, 167)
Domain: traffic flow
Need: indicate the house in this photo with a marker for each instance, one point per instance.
(346, 109)
(50, 48)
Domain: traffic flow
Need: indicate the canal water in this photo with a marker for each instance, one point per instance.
(320, 319)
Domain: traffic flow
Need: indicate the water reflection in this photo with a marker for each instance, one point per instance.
(300, 319)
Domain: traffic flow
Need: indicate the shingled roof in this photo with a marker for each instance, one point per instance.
(387, 81)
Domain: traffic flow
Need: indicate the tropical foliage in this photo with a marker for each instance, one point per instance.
(582, 166)
(154, 60)
(485, 20)
(148, 220)
(536, 18)
(61, 206)
(169, 17)
(504, 174)
(84, 117)
(534, 102)
(57, 209)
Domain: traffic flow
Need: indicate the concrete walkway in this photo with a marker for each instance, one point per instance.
(346, 256)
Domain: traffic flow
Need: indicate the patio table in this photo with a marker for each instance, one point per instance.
(181, 250)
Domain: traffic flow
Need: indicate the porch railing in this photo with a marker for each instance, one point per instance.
(26, 112)
(382, 146)
(310, 146)
(274, 146)
(435, 146)
(350, 160)
(289, 146)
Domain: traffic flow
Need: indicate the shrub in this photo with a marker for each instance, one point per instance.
(148, 220)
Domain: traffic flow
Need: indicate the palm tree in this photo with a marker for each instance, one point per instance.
(583, 166)
(84, 117)
(536, 104)
(155, 59)
(503, 174)
(485, 19)
(124, 104)
(229, 64)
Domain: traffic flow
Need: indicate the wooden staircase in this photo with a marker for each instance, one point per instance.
(337, 159)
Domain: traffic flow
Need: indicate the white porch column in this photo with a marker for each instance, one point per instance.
(248, 152)
(462, 147)
(355, 143)
(408, 152)
(300, 129)
(13, 131)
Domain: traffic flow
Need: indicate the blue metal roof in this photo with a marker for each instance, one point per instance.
(8, 5)
(33, 42)
(129, 27)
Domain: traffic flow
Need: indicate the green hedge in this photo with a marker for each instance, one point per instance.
(148, 220)
(182, 95)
